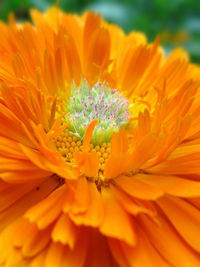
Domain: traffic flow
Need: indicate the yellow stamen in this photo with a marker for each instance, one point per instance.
(68, 143)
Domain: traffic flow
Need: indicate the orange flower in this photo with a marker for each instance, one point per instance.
(99, 147)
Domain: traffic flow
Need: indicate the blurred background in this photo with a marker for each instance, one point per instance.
(176, 21)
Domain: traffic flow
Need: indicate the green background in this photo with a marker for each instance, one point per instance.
(177, 21)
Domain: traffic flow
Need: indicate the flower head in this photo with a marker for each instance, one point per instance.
(99, 147)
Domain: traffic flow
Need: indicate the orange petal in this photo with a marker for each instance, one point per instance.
(187, 164)
(55, 254)
(59, 255)
(60, 168)
(128, 203)
(99, 254)
(138, 188)
(11, 126)
(168, 243)
(149, 145)
(36, 157)
(10, 148)
(46, 211)
(81, 201)
(25, 202)
(117, 222)
(10, 165)
(21, 176)
(116, 165)
(95, 212)
(38, 260)
(143, 253)
(117, 252)
(72, 58)
(172, 184)
(92, 22)
(88, 163)
(184, 217)
(12, 193)
(88, 135)
(119, 142)
(65, 231)
(30, 239)
(118, 162)
(6, 241)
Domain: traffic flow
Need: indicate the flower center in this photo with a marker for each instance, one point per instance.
(67, 143)
(85, 105)
(99, 102)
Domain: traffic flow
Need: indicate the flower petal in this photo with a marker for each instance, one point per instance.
(98, 251)
(116, 222)
(30, 239)
(138, 188)
(65, 231)
(28, 200)
(94, 214)
(184, 217)
(128, 203)
(47, 210)
(172, 184)
(143, 253)
(165, 239)
(59, 255)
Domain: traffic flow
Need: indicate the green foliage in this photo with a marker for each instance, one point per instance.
(177, 21)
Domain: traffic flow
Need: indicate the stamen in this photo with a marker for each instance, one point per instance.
(67, 143)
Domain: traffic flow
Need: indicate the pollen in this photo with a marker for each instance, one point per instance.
(103, 152)
(68, 143)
